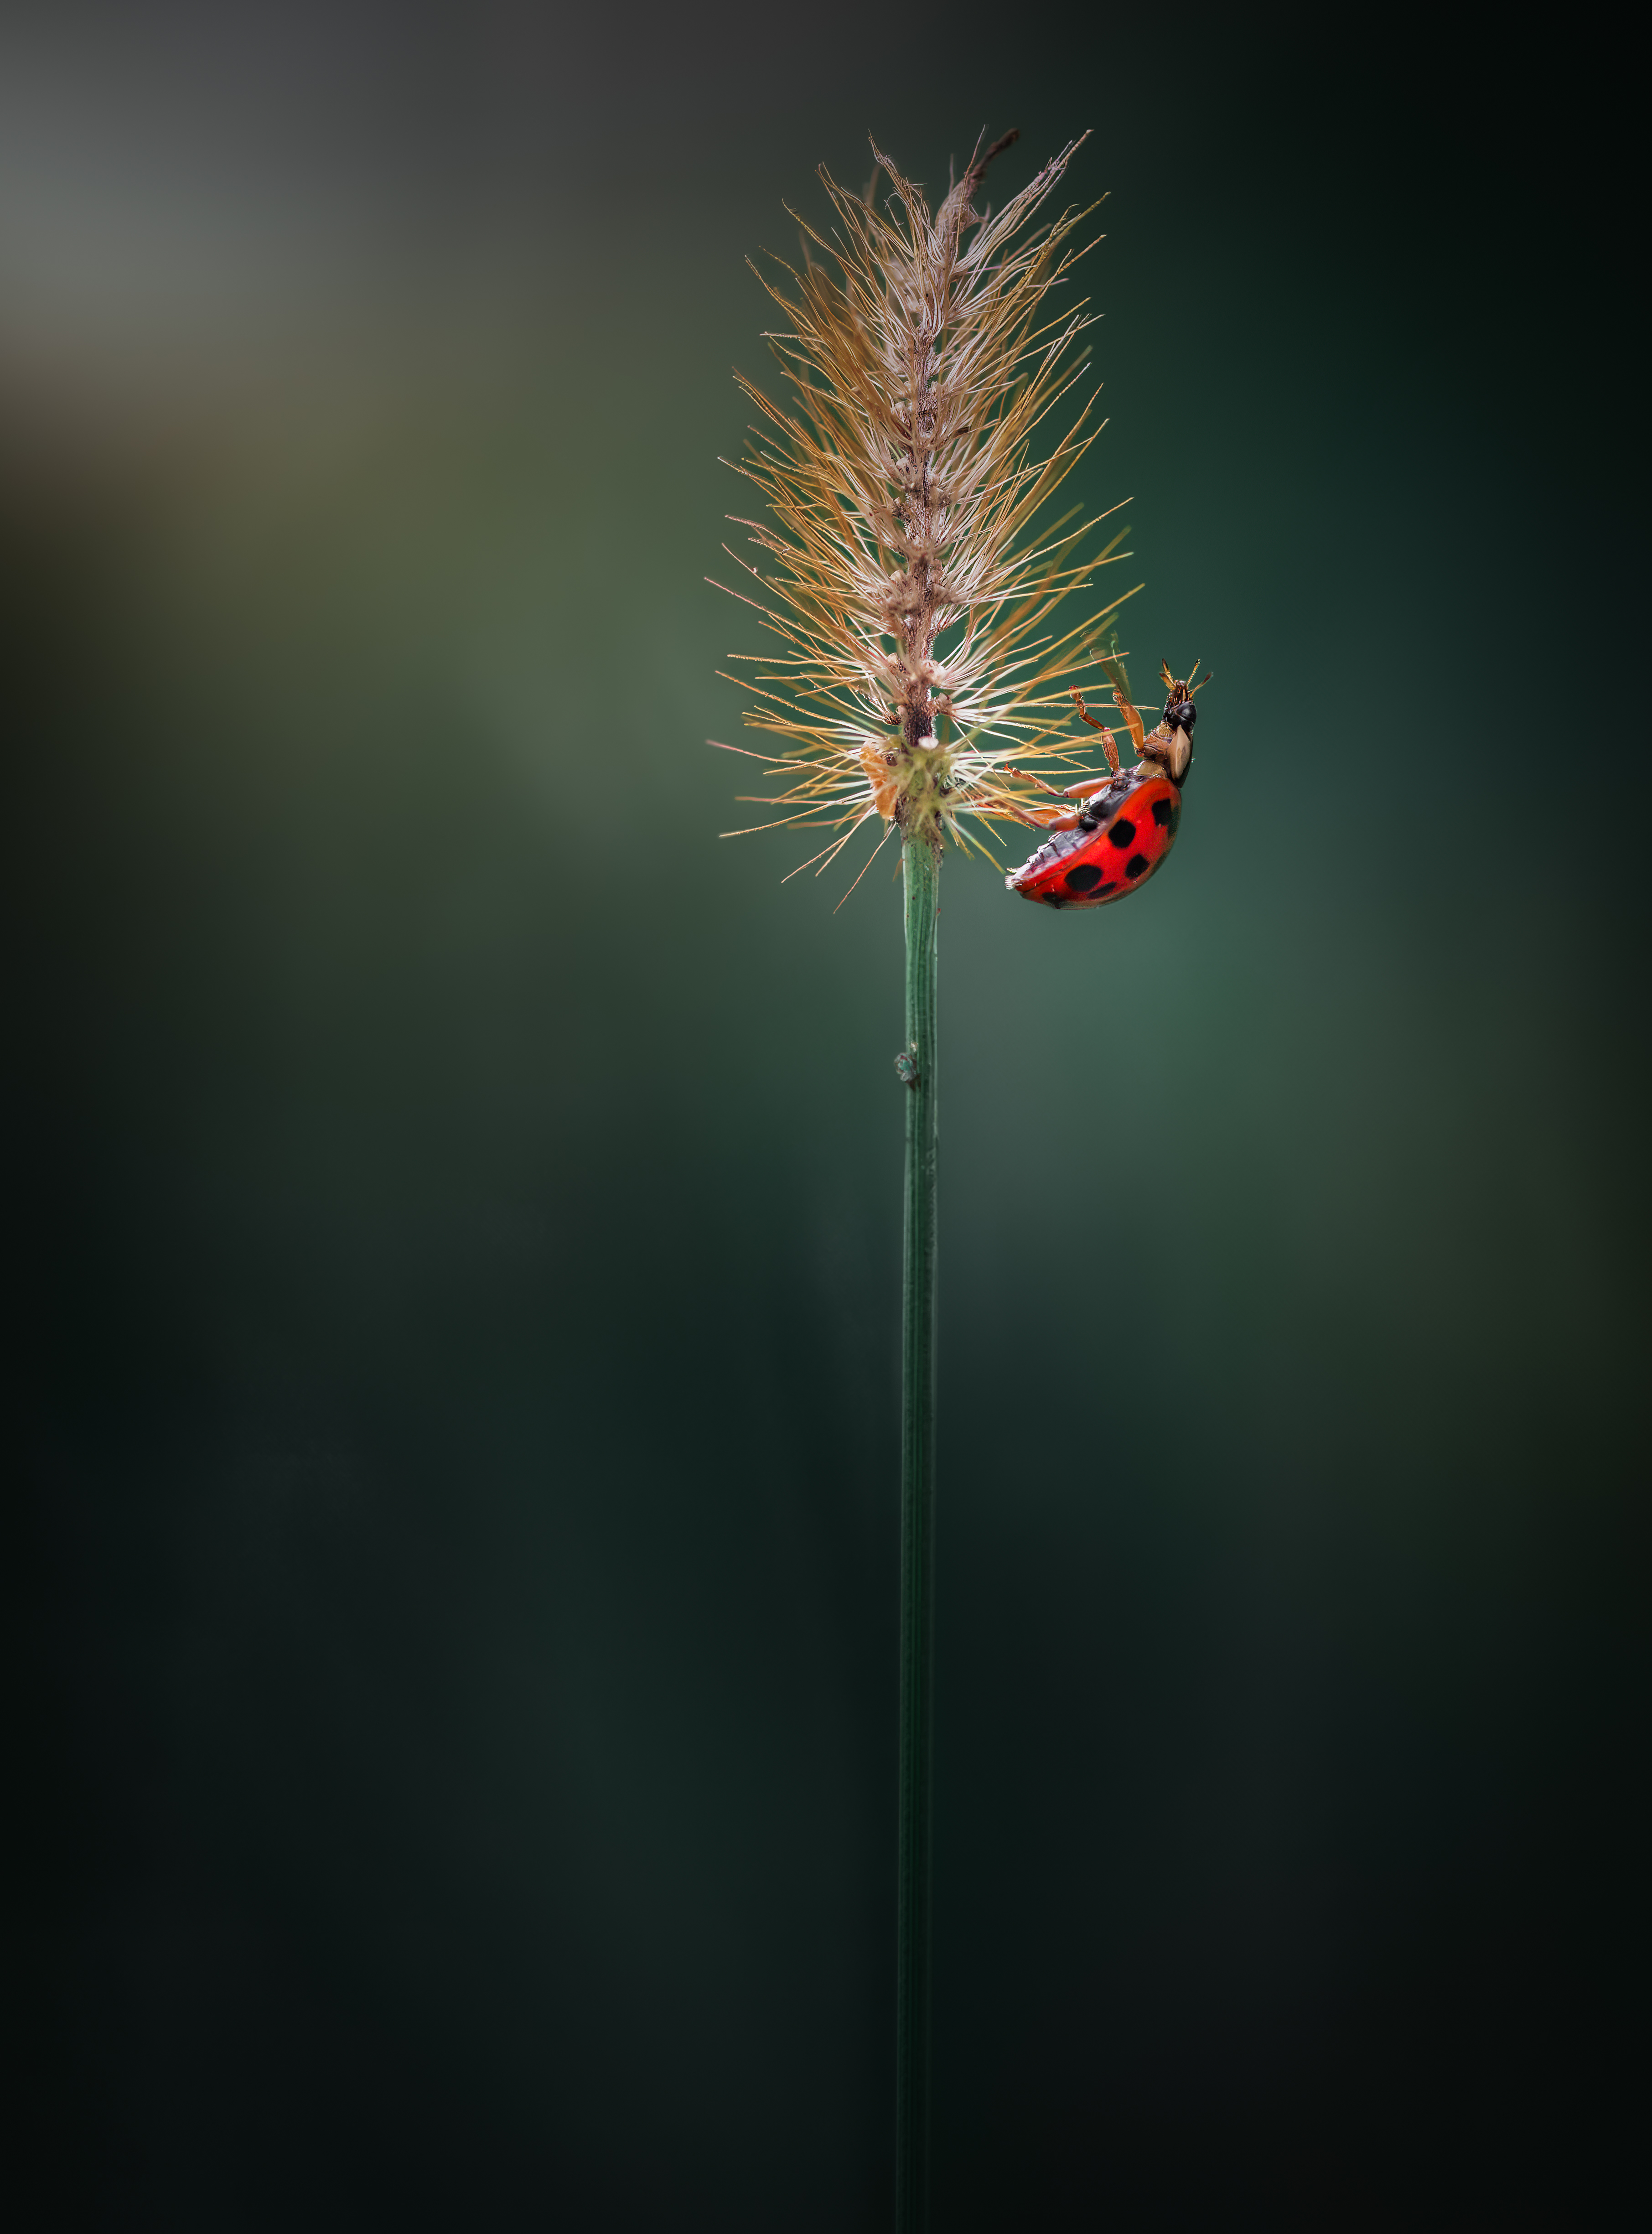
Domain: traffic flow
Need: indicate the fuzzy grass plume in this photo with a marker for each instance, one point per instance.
(916, 583)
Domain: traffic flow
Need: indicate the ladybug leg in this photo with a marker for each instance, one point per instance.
(1107, 745)
(1134, 720)
(1027, 776)
(1043, 818)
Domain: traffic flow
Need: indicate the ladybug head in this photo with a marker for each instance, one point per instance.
(1176, 725)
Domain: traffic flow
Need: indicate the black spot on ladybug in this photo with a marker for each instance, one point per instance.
(1081, 879)
(1101, 891)
(1123, 832)
(1052, 899)
(1165, 812)
(1135, 865)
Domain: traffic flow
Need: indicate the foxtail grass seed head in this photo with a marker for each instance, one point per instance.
(916, 578)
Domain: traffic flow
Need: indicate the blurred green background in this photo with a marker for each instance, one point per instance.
(458, 1199)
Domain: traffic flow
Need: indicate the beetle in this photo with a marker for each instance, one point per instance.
(1109, 846)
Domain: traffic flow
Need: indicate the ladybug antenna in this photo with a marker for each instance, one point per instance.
(1171, 683)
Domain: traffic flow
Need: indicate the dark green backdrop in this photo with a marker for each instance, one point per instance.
(459, 1199)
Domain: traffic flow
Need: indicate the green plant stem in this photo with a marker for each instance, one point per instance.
(921, 864)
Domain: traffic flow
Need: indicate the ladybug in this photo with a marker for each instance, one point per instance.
(1111, 844)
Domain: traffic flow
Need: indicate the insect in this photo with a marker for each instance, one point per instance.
(1111, 844)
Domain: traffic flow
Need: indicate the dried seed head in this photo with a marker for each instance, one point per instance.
(916, 577)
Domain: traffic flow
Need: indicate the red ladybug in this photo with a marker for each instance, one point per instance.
(1112, 844)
